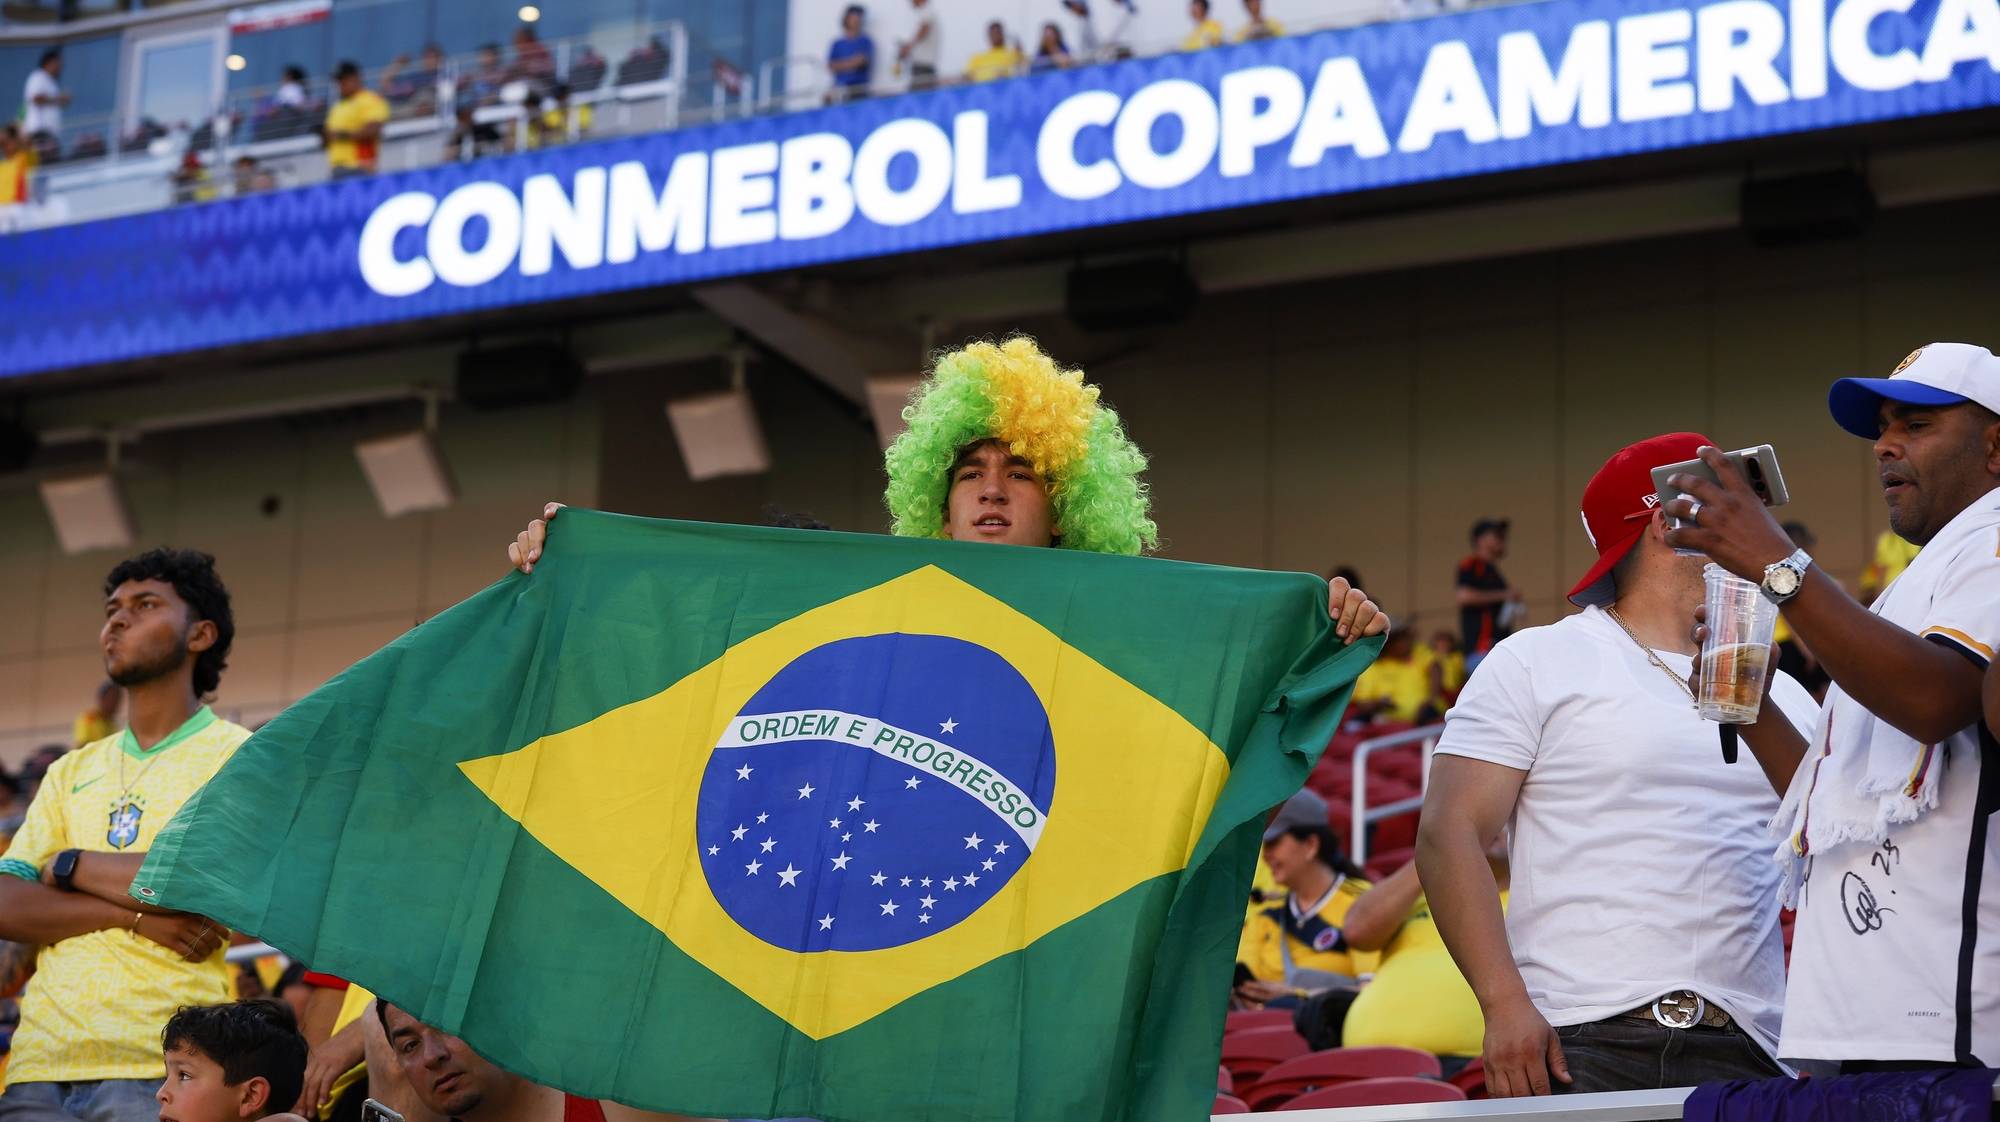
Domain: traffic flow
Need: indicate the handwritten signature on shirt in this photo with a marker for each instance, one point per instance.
(1857, 899)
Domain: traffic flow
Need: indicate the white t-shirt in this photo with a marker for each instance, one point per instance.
(1640, 861)
(924, 51)
(1896, 952)
(40, 118)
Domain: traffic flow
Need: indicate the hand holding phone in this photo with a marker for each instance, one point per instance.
(1758, 464)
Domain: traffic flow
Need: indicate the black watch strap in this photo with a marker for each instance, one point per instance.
(64, 869)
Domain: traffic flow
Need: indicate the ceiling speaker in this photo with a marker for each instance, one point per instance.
(89, 512)
(719, 435)
(406, 472)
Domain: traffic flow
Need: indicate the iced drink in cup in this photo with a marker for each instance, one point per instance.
(1736, 655)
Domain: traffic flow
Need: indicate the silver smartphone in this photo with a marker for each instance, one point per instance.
(1759, 466)
(372, 1111)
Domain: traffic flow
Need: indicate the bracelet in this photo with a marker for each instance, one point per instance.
(136, 917)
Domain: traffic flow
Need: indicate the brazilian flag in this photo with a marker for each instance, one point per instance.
(747, 822)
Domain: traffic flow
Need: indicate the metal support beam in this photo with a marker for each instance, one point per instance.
(838, 358)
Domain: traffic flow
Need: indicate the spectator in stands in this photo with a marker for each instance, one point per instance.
(474, 138)
(1417, 998)
(586, 69)
(291, 90)
(1450, 662)
(86, 1048)
(17, 159)
(415, 86)
(238, 1062)
(1294, 948)
(1207, 31)
(1258, 26)
(97, 721)
(43, 99)
(247, 177)
(482, 86)
(1000, 59)
(191, 180)
(851, 58)
(1482, 593)
(1051, 53)
(552, 118)
(460, 1084)
(646, 63)
(1646, 926)
(533, 63)
(1889, 850)
(354, 125)
(1401, 685)
(1088, 45)
(920, 51)
(1893, 554)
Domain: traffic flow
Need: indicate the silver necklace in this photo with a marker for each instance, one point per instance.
(1653, 658)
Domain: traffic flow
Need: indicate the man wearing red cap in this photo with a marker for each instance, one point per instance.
(1644, 920)
(1888, 841)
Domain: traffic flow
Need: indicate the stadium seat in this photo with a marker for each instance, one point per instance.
(1252, 1052)
(1388, 861)
(1223, 1082)
(1471, 1079)
(1377, 1092)
(1229, 1104)
(1399, 832)
(1241, 1019)
(1296, 1076)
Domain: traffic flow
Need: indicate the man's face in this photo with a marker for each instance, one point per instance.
(995, 34)
(851, 23)
(1933, 461)
(448, 1076)
(1198, 10)
(350, 85)
(194, 1090)
(1255, 8)
(148, 632)
(1492, 545)
(54, 68)
(489, 58)
(996, 496)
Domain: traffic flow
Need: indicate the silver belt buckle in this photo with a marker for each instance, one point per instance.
(1681, 1009)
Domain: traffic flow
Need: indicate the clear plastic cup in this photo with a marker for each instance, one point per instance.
(1736, 656)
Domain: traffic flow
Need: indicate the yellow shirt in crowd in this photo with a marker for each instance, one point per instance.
(1261, 948)
(96, 1005)
(90, 725)
(1404, 683)
(1417, 999)
(1267, 29)
(994, 63)
(352, 114)
(1207, 33)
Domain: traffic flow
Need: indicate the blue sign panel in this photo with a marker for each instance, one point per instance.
(1482, 91)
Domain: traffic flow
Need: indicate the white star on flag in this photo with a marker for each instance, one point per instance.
(987, 864)
(826, 922)
(889, 908)
(971, 880)
(949, 725)
(743, 772)
(787, 876)
(736, 835)
(911, 783)
(763, 818)
(841, 861)
(806, 792)
(714, 849)
(855, 803)
(972, 841)
(878, 878)
(752, 867)
(869, 826)
(847, 837)
(927, 901)
(926, 882)
(951, 884)
(1000, 848)
(923, 917)
(906, 882)
(834, 823)
(770, 844)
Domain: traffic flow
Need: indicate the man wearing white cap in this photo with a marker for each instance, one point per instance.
(1887, 840)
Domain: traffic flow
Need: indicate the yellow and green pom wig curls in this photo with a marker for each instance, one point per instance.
(1046, 415)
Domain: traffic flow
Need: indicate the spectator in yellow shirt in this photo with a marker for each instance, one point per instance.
(94, 723)
(1259, 27)
(1892, 556)
(1451, 666)
(1293, 947)
(17, 159)
(1000, 59)
(354, 125)
(1207, 32)
(1400, 686)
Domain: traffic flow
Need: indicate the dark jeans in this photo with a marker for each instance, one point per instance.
(1619, 1055)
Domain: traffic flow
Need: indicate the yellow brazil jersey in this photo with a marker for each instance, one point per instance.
(1207, 33)
(352, 114)
(96, 1005)
(1267, 29)
(1417, 998)
(1405, 684)
(1265, 940)
(994, 63)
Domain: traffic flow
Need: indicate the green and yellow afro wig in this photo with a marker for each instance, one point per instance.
(1046, 415)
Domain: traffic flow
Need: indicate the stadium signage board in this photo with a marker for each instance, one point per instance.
(1483, 91)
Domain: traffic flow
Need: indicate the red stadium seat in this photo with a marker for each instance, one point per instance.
(1223, 1081)
(1241, 1019)
(1380, 865)
(1399, 832)
(1252, 1052)
(1377, 1092)
(1340, 1065)
(1471, 1079)
(1229, 1104)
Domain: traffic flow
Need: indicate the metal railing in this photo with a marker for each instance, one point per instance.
(1365, 815)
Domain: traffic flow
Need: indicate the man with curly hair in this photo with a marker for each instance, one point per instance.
(1008, 448)
(111, 969)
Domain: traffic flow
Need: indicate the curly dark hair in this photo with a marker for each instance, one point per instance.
(192, 573)
(247, 1039)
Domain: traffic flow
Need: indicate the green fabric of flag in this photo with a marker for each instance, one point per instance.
(749, 822)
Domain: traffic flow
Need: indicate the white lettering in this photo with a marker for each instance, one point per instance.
(741, 194)
(1579, 89)
(377, 251)
(1739, 41)
(1340, 113)
(1808, 32)
(1652, 52)
(1857, 62)
(814, 199)
(931, 148)
(1964, 31)
(446, 244)
(1055, 146)
(550, 218)
(1260, 106)
(1449, 98)
(972, 190)
(1132, 137)
(637, 219)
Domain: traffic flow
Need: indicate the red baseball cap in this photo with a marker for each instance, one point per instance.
(1618, 503)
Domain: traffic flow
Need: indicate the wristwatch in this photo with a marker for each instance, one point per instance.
(1783, 580)
(63, 869)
